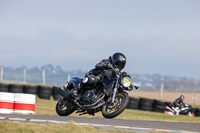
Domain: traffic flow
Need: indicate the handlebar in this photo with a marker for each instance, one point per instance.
(136, 87)
(131, 87)
(117, 73)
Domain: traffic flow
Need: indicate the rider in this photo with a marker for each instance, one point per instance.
(178, 103)
(107, 67)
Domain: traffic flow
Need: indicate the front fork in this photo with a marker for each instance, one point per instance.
(115, 90)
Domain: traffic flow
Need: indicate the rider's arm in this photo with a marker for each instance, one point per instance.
(90, 72)
(177, 102)
(103, 64)
(182, 103)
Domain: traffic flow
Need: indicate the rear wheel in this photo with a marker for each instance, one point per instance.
(64, 107)
(110, 110)
(191, 114)
(168, 112)
(165, 112)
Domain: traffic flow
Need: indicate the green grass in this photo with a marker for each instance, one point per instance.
(47, 107)
(18, 127)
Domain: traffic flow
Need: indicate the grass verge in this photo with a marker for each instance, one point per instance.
(18, 127)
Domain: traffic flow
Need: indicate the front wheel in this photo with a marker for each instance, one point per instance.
(191, 114)
(64, 107)
(111, 110)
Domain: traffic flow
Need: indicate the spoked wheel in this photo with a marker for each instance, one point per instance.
(64, 107)
(111, 110)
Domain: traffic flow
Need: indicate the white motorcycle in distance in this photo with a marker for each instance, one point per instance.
(185, 110)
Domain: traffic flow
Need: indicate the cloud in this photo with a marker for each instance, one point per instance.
(156, 36)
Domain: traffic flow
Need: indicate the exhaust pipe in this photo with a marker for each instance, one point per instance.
(95, 102)
(63, 93)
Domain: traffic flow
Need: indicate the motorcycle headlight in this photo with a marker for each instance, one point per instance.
(126, 82)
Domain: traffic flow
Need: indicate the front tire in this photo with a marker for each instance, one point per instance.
(64, 107)
(190, 114)
(112, 110)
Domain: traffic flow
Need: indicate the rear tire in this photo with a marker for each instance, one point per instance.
(15, 88)
(133, 103)
(159, 106)
(190, 114)
(146, 104)
(4, 87)
(168, 112)
(30, 89)
(55, 95)
(120, 104)
(44, 92)
(64, 107)
(165, 112)
(197, 112)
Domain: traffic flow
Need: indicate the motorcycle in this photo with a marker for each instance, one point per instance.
(185, 110)
(107, 96)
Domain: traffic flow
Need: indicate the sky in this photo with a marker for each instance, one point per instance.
(156, 36)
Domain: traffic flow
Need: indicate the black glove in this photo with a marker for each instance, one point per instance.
(109, 65)
(136, 87)
(116, 71)
(131, 87)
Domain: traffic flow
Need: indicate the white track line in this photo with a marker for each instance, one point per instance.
(95, 125)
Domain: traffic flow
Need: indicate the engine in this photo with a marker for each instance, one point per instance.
(89, 96)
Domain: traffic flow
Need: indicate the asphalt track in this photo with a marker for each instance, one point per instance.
(131, 125)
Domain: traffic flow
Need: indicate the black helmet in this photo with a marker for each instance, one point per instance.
(119, 60)
(182, 97)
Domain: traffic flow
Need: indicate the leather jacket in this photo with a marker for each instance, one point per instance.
(178, 102)
(103, 68)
